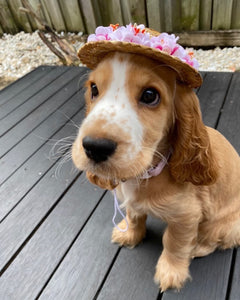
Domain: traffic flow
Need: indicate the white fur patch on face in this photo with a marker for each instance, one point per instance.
(116, 110)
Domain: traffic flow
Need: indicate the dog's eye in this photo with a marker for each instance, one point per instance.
(150, 97)
(94, 90)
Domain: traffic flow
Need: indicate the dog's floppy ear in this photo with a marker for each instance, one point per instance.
(101, 182)
(192, 158)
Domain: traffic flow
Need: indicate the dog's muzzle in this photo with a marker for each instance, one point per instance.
(98, 149)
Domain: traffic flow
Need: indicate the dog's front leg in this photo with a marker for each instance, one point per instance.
(178, 241)
(135, 233)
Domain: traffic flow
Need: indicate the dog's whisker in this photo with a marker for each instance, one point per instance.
(62, 149)
(81, 78)
(66, 158)
(61, 146)
(84, 180)
(74, 170)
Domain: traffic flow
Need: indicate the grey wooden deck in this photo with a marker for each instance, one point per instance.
(55, 227)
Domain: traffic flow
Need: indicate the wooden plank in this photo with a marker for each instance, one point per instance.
(39, 145)
(17, 227)
(13, 159)
(110, 12)
(9, 107)
(50, 187)
(6, 18)
(222, 12)
(104, 13)
(97, 12)
(235, 23)
(164, 15)
(154, 15)
(54, 96)
(190, 14)
(167, 16)
(55, 14)
(36, 5)
(45, 13)
(50, 243)
(22, 83)
(72, 15)
(205, 15)
(91, 19)
(212, 95)
(209, 278)
(133, 11)
(20, 18)
(87, 262)
(229, 122)
(115, 11)
(1, 30)
(234, 291)
(126, 13)
(219, 38)
(132, 273)
(176, 15)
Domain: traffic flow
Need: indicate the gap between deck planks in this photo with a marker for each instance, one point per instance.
(12, 104)
(28, 133)
(37, 112)
(23, 83)
(63, 227)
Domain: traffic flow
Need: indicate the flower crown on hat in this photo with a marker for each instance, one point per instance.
(138, 34)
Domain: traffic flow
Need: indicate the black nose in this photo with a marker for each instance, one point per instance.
(98, 149)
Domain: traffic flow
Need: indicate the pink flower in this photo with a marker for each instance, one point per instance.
(180, 52)
(137, 34)
(165, 42)
(101, 34)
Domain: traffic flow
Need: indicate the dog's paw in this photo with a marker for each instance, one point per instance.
(129, 238)
(170, 275)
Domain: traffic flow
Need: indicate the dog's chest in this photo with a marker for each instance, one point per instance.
(133, 197)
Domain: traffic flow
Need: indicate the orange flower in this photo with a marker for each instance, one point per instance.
(136, 30)
(114, 27)
(191, 54)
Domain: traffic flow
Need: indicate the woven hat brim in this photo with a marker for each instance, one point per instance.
(92, 53)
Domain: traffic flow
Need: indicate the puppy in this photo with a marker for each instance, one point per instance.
(138, 114)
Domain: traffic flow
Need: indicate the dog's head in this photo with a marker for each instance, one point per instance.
(136, 111)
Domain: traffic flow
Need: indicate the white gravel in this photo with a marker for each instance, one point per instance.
(224, 60)
(21, 53)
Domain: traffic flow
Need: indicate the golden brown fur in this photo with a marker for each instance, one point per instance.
(197, 194)
(192, 158)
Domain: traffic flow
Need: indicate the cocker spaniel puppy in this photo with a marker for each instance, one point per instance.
(143, 135)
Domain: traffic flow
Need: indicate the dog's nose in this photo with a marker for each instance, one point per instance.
(98, 149)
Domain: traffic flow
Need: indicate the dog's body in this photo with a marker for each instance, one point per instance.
(197, 194)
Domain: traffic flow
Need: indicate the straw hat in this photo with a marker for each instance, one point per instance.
(140, 40)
